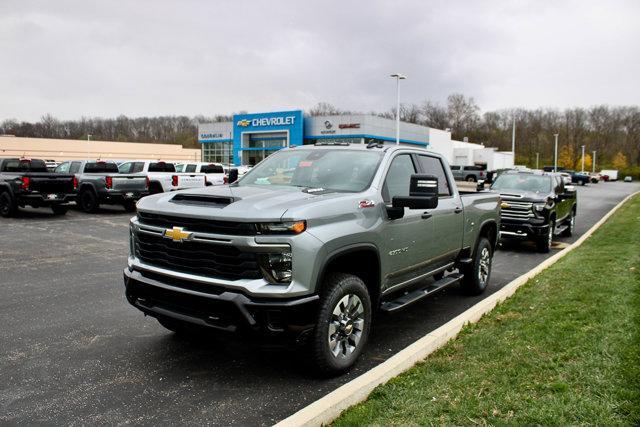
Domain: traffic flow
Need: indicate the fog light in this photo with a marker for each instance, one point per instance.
(276, 267)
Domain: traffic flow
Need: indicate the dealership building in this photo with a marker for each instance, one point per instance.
(249, 138)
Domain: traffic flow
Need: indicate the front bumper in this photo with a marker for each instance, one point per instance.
(526, 230)
(119, 197)
(37, 200)
(219, 308)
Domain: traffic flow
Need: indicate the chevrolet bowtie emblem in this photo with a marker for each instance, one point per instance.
(177, 234)
(505, 205)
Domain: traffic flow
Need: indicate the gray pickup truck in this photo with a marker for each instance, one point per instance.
(100, 183)
(308, 244)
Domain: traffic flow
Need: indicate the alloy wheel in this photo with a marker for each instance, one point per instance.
(346, 326)
(485, 265)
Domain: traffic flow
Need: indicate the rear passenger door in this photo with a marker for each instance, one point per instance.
(448, 226)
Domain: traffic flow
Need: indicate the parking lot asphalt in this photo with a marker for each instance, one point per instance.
(73, 351)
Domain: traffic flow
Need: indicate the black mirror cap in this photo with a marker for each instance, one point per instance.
(416, 202)
(480, 185)
(423, 185)
(233, 175)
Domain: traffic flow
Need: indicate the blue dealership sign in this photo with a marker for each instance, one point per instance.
(286, 121)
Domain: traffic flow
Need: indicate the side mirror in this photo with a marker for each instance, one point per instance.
(233, 175)
(423, 194)
(480, 186)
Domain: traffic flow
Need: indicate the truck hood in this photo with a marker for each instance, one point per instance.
(236, 203)
(522, 195)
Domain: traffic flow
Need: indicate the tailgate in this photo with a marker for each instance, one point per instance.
(190, 181)
(53, 184)
(130, 183)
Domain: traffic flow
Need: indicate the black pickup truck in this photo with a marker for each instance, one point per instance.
(535, 206)
(27, 182)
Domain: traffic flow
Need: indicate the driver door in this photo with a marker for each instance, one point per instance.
(404, 241)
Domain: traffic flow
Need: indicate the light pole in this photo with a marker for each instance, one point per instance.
(513, 139)
(398, 77)
(582, 159)
(593, 162)
(537, 160)
(88, 139)
(555, 155)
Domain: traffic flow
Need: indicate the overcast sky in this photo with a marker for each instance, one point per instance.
(142, 58)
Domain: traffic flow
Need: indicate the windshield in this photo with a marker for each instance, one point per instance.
(24, 165)
(337, 170)
(100, 167)
(524, 182)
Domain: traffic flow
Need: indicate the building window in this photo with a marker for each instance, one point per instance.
(218, 152)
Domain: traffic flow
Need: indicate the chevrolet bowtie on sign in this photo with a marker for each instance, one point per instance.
(177, 234)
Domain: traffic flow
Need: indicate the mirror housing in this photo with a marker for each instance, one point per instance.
(480, 186)
(423, 194)
(233, 175)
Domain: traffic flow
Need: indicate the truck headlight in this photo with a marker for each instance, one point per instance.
(276, 267)
(289, 227)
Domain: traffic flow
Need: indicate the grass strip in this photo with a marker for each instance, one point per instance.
(565, 349)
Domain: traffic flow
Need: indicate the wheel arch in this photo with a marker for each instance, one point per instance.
(489, 229)
(355, 259)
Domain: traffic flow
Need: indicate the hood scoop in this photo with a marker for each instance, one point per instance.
(202, 200)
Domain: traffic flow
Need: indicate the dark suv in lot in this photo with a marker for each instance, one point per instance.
(535, 206)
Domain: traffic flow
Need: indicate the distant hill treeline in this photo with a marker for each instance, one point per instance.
(614, 132)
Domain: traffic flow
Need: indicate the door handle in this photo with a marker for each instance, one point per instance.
(457, 210)
(426, 215)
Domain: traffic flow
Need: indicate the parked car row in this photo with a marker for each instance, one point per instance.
(91, 183)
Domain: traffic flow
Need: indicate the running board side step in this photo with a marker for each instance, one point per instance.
(416, 295)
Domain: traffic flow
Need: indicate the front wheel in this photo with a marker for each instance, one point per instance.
(471, 179)
(129, 206)
(477, 274)
(544, 242)
(343, 324)
(88, 201)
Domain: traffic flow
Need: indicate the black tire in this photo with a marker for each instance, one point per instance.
(543, 243)
(351, 325)
(8, 207)
(570, 222)
(155, 188)
(129, 206)
(471, 178)
(478, 273)
(88, 201)
(582, 182)
(59, 210)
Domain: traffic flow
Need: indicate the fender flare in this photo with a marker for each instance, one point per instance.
(6, 186)
(344, 250)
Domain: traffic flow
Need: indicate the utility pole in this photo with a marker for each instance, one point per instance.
(398, 77)
(513, 139)
(555, 155)
(537, 160)
(593, 162)
(582, 159)
(88, 139)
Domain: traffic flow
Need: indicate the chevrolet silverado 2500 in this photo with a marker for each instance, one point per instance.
(308, 244)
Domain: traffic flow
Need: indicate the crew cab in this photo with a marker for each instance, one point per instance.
(99, 182)
(308, 244)
(27, 182)
(214, 173)
(162, 175)
(536, 206)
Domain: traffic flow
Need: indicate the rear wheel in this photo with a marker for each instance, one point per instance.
(544, 242)
(7, 207)
(155, 188)
(129, 206)
(471, 178)
(88, 201)
(59, 210)
(477, 274)
(343, 324)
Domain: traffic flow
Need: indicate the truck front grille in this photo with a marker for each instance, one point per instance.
(517, 210)
(232, 228)
(199, 258)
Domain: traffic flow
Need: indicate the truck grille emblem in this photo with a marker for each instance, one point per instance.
(177, 234)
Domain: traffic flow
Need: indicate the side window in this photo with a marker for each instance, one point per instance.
(125, 167)
(137, 167)
(398, 177)
(62, 168)
(74, 168)
(190, 168)
(433, 166)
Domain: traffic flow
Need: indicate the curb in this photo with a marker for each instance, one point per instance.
(328, 408)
